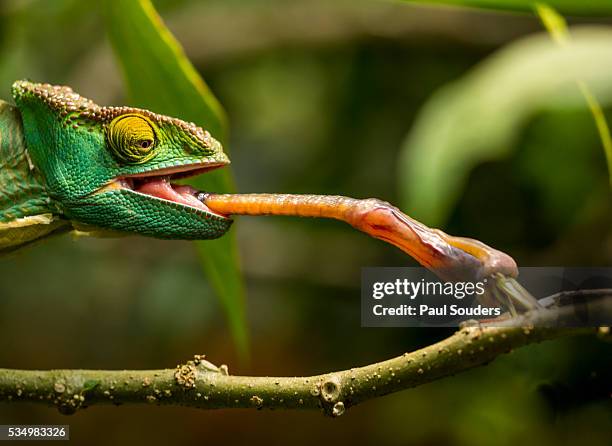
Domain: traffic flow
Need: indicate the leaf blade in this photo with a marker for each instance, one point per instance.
(477, 117)
(591, 7)
(556, 26)
(160, 77)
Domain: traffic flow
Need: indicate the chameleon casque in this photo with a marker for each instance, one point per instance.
(68, 164)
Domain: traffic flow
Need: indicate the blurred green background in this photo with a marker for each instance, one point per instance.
(343, 97)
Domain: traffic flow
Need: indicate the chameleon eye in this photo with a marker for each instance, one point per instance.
(132, 138)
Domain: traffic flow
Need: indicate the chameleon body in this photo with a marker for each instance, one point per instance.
(67, 164)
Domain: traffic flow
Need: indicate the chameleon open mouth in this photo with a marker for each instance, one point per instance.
(158, 184)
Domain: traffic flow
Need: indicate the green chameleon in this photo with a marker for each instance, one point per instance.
(68, 164)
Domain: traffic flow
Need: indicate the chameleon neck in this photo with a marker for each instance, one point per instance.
(26, 211)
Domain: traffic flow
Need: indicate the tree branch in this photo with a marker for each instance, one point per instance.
(199, 383)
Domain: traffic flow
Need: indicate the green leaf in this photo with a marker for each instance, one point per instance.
(577, 7)
(557, 28)
(160, 78)
(554, 23)
(478, 118)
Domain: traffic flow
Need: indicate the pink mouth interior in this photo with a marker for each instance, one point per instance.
(161, 187)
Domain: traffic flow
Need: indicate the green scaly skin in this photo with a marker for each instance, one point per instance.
(67, 163)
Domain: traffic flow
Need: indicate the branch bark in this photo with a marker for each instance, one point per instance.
(198, 383)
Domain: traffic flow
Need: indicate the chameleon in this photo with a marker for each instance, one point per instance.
(70, 165)
(67, 164)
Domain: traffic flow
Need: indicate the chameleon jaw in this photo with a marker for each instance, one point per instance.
(157, 185)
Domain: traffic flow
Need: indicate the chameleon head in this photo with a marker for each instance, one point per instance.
(111, 167)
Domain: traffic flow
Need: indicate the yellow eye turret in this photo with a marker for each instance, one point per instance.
(132, 138)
